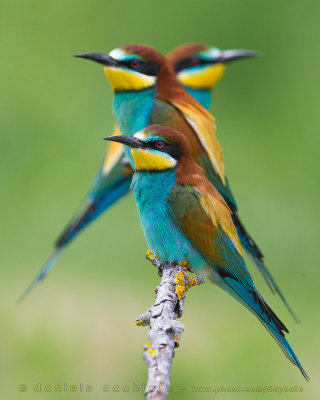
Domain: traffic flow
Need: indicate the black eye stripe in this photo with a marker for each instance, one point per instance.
(143, 67)
(171, 149)
(187, 63)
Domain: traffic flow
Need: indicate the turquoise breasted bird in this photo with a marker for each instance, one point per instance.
(114, 176)
(185, 219)
(154, 95)
(147, 91)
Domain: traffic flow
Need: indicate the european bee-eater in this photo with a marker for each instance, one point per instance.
(114, 176)
(185, 219)
(146, 92)
(196, 65)
(199, 67)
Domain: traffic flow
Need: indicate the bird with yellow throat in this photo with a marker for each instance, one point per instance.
(186, 220)
(146, 91)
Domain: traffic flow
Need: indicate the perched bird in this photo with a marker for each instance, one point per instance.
(114, 176)
(113, 179)
(146, 92)
(199, 67)
(185, 219)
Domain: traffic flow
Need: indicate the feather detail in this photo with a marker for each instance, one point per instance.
(203, 124)
(220, 214)
(205, 220)
(114, 153)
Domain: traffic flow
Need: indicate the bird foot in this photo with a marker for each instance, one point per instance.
(184, 264)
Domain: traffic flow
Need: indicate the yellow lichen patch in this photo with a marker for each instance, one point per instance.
(176, 340)
(184, 282)
(150, 350)
(150, 254)
(142, 322)
(180, 289)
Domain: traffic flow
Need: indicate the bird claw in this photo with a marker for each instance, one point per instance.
(184, 264)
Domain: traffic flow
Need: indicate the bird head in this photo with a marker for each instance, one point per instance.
(130, 67)
(155, 148)
(201, 67)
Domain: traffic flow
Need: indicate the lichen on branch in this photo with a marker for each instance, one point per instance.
(165, 331)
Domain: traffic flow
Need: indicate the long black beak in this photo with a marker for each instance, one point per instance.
(100, 58)
(232, 55)
(127, 140)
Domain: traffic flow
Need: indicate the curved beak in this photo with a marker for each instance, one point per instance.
(100, 58)
(232, 55)
(130, 141)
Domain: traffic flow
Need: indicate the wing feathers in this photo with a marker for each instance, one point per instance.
(203, 124)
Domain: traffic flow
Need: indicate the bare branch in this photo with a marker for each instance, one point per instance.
(165, 330)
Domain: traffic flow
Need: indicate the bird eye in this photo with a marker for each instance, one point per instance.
(159, 144)
(134, 63)
(195, 61)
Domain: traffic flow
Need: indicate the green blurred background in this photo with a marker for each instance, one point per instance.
(79, 325)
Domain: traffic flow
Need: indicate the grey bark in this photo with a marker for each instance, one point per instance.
(165, 330)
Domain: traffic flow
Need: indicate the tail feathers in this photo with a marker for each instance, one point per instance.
(286, 348)
(90, 212)
(263, 271)
(268, 312)
(273, 286)
(255, 303)
(43, 273)
(245, 238)
(257, 257)
(93, 209)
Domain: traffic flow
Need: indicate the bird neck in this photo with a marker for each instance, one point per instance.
(152, 187)
(132, 110)
(203, 96)
(169, 89)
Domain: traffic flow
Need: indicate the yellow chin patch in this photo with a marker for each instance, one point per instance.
(122, 79)
(205, 78)
(152, 160)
